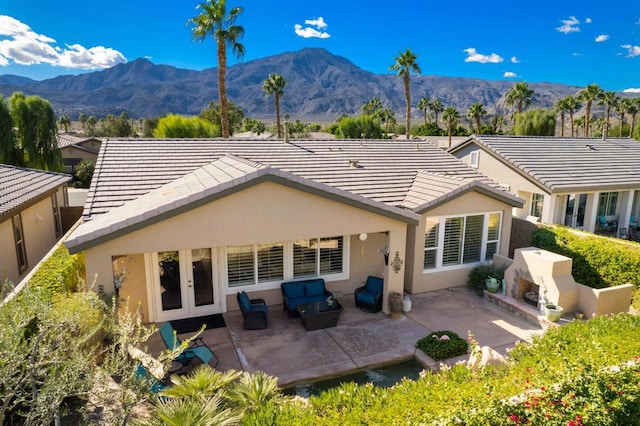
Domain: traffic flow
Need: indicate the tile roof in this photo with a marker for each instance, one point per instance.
(201, 186)
(20, 186)
(568, 164)
(385, 171)
(65, 139)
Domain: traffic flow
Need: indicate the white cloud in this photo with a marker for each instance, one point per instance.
(318, 23)
(631, 90)
(570, 25)
(515, 60)
(23, 46)
(576, 54)
(601, 38)
(509, 74)
(312, 30)
(474, 56)
(587, 21)
(631, 50)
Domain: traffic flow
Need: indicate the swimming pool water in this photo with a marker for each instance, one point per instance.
(385, 376)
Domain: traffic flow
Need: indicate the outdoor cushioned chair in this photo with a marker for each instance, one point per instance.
(254, 311)
(196, 350)
(605, 225)
(369, 297)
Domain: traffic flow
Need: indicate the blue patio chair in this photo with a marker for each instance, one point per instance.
(155, 385)
(197, 349)
(369, 297)
(254, 311)
(605, 225)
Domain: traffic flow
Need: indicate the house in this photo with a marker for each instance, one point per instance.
(181, 225)
(30, 217)
(584, 183)
(76, 149)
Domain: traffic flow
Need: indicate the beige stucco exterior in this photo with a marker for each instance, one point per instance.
(39, 236)
(266, 212)
(419, 281)
(551, 272)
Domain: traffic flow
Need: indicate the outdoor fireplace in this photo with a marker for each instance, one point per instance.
(528, 291)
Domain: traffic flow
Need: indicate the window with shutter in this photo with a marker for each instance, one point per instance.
(270, 262)
(240, 266)
(473, 238)
(461, 240)
(431, 243)
(330, 255)
(305, 258)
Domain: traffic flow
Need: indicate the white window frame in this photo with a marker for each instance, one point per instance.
(288, 268)
(608, 203)
(483, 250)
(474, 159)
(534, 204)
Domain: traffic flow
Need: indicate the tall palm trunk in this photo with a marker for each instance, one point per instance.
(571, 118)
(222, 89)
(407, 96)
(586, 120)
(562, 124)
(278, 114)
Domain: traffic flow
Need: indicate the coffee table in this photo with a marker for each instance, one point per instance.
(318, 315)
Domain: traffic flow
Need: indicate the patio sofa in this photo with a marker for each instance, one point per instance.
(295, 293)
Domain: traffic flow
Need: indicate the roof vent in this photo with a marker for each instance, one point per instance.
(353, 164)
(591, 147)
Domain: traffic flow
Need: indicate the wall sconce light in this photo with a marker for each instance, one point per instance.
(363, 237)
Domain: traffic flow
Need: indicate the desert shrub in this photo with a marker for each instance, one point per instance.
(479, 274)
(439, 349)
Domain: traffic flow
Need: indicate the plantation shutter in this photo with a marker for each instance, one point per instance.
(473, 238)
(270, 262)
(330, 255)
(431, 243)
(305, 258)
(452, 246)
(240, 266)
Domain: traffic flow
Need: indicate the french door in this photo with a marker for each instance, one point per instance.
(574, 213)
(185, 284)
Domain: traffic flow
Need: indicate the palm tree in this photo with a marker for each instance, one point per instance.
(497, 122)
(388, 116)
(274, 85)
(573, 104)
(561, 107)
(475, 113)
(65, 122)
(451, 116)
(215, 21)
(588, 95)
(609, 99)
(622, 107)
(436, 108)
(83, 121)
(405, 63)
(520, 95)
(579, 122)
(423, 105)
(633, 110)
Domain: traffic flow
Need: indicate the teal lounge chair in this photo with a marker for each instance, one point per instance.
(198, 349)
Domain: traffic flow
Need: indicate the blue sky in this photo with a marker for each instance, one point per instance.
(575, 42)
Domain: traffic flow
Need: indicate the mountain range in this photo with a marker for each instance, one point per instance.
(320, 87)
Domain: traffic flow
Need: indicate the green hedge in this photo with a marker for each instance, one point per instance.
(61, 273)
(562, 376)
(598, 262)
(438, 349)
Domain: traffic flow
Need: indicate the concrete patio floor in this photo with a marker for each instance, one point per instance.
(293, 355)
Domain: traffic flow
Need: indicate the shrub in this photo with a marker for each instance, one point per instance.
(597, 262)
(60, 273)
(439, 349)
(479, 274)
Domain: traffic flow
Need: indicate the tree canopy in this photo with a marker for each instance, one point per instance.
(535, 122)
(177, 126)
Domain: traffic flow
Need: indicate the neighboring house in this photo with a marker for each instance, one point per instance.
(75, 149)
(183, 225)
(577, 182)
(30, 219)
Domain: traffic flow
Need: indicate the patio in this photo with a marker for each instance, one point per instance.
(286, 350)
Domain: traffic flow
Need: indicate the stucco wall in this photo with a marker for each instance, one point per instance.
(501, 173)
(267, 212)
(39, 237)
(470, 203)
